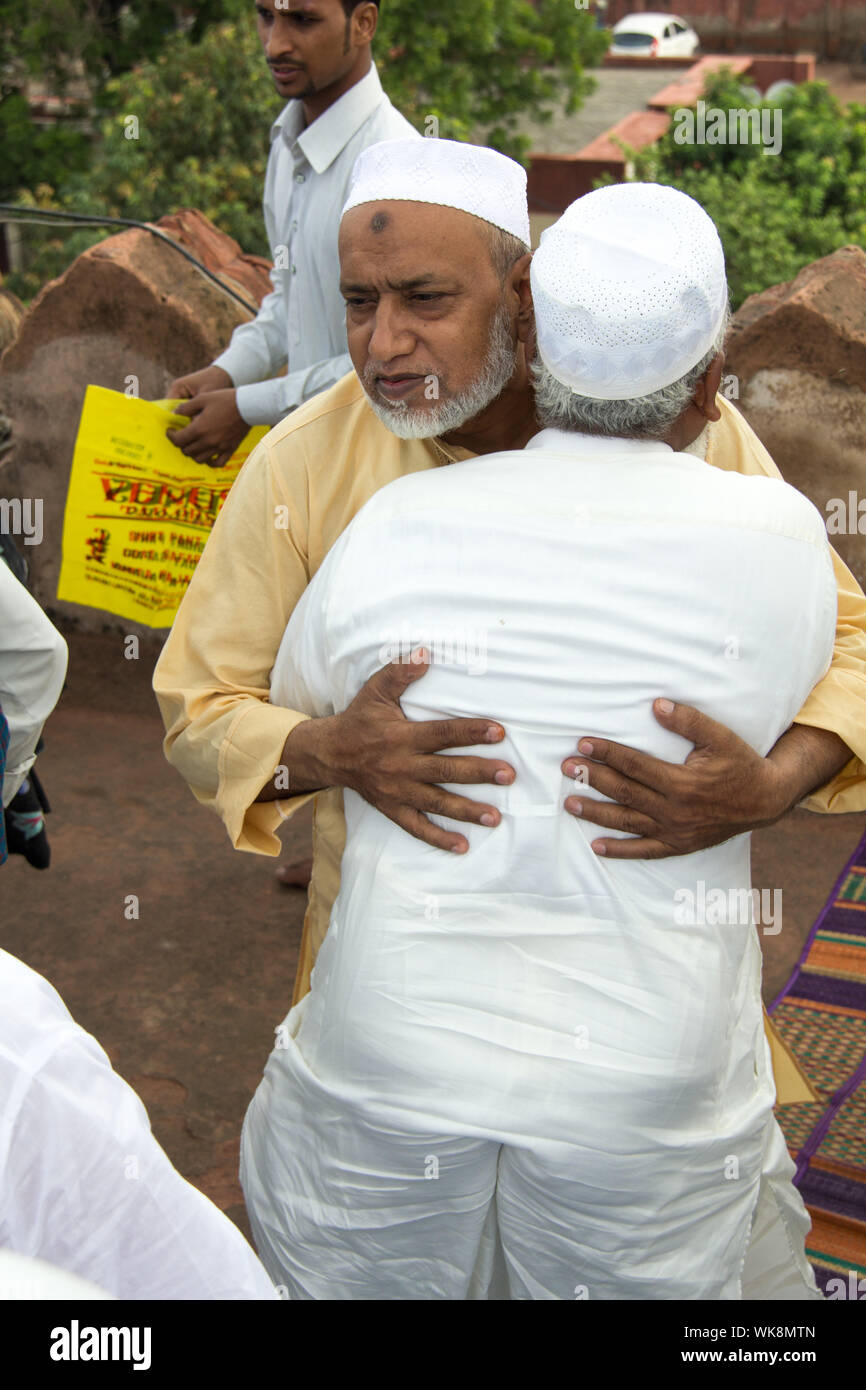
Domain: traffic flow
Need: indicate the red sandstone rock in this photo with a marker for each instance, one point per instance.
(816, 323)
(799, 353)
(248, 274)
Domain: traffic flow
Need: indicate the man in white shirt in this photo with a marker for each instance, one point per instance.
(575, 1059)
(319, 52)
(84, 1185)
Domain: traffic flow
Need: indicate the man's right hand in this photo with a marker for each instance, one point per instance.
(395, 763)
(196, 383)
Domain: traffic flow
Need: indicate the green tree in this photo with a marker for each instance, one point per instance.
(34, 154)
(775, 213)
(479, 68)
(70, 48)
(188, 128)
(64, 39)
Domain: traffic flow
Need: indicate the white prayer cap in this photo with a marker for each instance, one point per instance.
(629, 290)
(445, 172)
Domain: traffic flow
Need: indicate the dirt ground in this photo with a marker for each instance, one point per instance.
(185, 999)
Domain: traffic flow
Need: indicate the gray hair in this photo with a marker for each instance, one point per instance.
(505, 249)
(647, 417)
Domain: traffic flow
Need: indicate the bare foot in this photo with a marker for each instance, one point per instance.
(295, 875)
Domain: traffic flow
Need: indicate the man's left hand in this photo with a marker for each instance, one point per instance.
(215, 429)
(723, 788)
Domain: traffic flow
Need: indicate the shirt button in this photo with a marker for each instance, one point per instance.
(299, 178)
(294, 226)
(294, 270)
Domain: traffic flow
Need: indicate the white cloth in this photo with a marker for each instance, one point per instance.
(530, 993)
(25, 1280)
(776, 1266)
(33, 658)
(303, 320)
(447, 173)
(629, 289)
(84, 1185)
(344, 1205)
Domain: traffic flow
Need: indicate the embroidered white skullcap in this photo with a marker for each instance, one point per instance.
(447, 173)
(629, 289)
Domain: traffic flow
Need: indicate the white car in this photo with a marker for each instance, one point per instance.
(654, 36)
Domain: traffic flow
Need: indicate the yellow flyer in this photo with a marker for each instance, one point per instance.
(138, 511)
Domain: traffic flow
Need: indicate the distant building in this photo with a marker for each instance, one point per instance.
(830, 28)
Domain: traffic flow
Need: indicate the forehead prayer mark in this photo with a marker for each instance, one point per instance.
(379, 221)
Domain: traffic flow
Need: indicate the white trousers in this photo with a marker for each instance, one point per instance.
(345, 1206)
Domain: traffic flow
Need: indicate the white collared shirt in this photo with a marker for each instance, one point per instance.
(303, 321)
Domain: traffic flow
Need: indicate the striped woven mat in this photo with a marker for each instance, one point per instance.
(821, 1013)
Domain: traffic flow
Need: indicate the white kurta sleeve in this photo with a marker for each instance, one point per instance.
(267, 402)
(84, 1184)
(304, 675)
(259, 348)
(33, 658)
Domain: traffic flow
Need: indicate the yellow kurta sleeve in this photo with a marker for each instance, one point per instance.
(212, 680)
(838, 702)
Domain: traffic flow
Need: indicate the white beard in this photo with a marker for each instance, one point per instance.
(440, 418)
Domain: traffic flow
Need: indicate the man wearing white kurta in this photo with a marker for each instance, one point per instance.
(530, 1048)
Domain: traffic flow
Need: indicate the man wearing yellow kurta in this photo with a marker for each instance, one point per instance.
(294, 497)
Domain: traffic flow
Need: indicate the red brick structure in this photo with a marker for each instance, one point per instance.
(831, 28)
(555, 180)
(754, 70)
